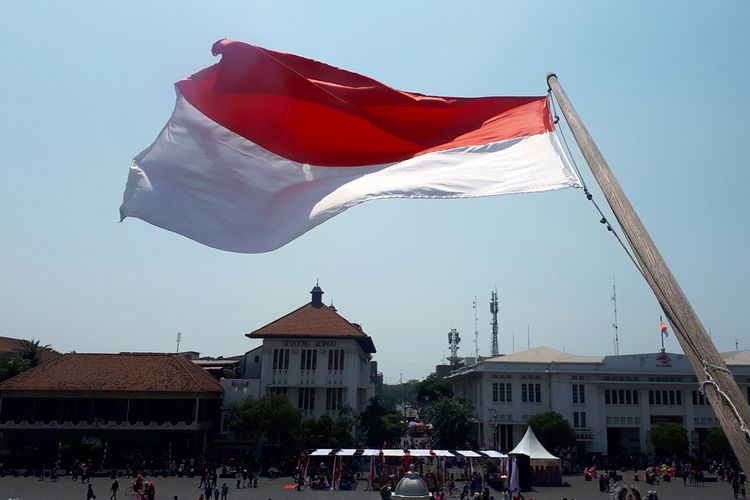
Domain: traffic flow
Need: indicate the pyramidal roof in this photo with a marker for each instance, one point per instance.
(314, 320)
(545, 354)
(532, 448)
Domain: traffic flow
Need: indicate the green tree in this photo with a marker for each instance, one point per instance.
(28, 356)
(271, 417)
(669, 439)
(432, 388)
(451, 420)
(381, 422)
(552, 430)
(325, 433)
(716, 443)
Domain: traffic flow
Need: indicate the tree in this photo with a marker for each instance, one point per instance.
(552, 430)
(325, 433)
(271, 417)
(669, 439)
(27, 356)
(716, 443)
(432, 388)
(451, 422)
(381, 422)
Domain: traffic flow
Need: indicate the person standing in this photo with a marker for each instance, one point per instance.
(224, 491)
(114, 489)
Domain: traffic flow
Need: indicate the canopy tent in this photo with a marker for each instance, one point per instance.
(534, 464)
(532, 448)
(420, 452)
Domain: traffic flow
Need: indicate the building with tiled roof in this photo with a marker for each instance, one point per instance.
(315, 356)
(117, 399)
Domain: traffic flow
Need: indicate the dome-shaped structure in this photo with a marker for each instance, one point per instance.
(411, 486)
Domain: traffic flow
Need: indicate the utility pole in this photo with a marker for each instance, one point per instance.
(476, 329)
(614, 325)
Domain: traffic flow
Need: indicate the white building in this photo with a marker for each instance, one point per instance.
(314, 356)
(610, 401)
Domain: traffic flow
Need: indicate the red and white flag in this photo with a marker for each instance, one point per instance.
(263, 146)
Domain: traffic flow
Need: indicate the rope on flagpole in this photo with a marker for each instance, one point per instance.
(586, 192)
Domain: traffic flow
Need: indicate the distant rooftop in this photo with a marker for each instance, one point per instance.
(116, 373)
(544, 354)
(314, 320)
(11, 345)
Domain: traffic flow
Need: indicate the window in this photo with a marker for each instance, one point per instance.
(334, 398)
(306, 398)
(276, 390)
(531, 393)
(579, 419)
(281, 359)
(579, 396)
(336, 359)
(308, 359)
(621, 396)
(699, 399)
(501, 393)
(665, 397)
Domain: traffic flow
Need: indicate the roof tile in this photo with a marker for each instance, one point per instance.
(115, 372)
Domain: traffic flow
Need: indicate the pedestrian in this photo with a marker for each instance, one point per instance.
(216, 493)
(114, 488)
(90, 493)
(224, 491)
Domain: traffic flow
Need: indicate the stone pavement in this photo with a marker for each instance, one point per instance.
(187, 489)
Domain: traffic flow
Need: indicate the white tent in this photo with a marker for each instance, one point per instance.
(532, 448)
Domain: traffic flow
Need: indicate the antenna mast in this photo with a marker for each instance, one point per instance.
(179, 337)
(453, 341)
(494, 309)
(476, 329)
(614, 325)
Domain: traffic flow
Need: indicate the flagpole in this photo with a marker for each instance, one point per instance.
(721, 389)
(661, 333)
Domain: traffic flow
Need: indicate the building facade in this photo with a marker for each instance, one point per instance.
(314, 356)
(129, 404)
(610, 401)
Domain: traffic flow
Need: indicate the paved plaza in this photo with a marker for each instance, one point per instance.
(187, 489)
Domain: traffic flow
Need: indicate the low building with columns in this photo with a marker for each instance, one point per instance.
(610, 401)
(131, 404)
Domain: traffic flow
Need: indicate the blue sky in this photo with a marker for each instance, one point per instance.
(662, 86)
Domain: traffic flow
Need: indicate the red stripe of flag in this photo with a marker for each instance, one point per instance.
(314, 113)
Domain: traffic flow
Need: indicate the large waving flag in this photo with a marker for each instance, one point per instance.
(264, 146)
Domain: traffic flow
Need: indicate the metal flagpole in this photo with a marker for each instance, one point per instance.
(718, 382)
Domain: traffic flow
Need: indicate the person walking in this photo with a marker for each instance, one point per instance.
(224, 491)
(114, 489)
(90, 493)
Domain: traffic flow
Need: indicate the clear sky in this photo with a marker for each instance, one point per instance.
(662, 86)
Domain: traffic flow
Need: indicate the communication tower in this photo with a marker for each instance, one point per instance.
(494, 309)
(453, 341)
